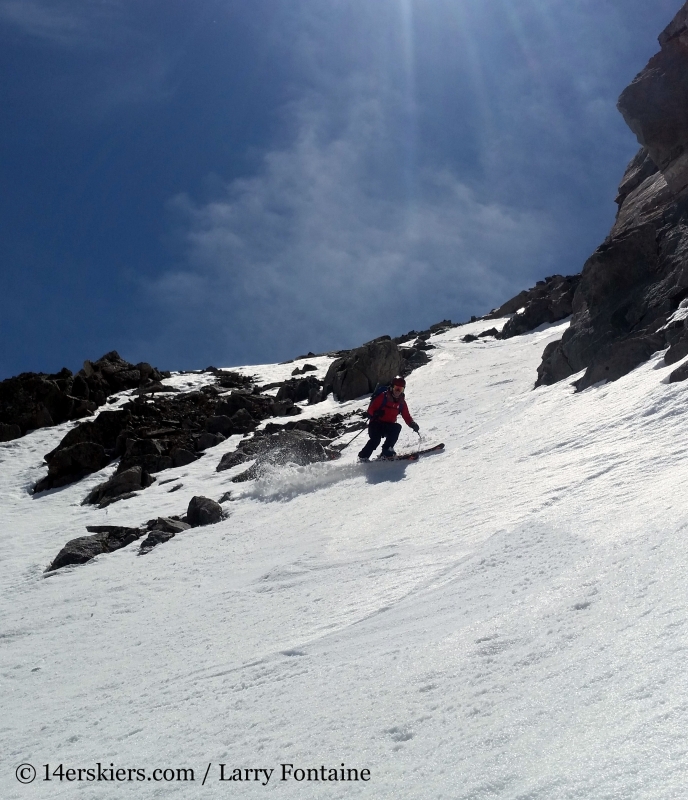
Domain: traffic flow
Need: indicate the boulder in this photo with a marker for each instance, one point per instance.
(148, 454)
(243, 422)
(364, 368)
(679, 374)
(181, 457)
(103, 430)
(162, 530)
(413, 359)
(219, 424)
(153, 539)
(676, 352)
(105, 539)
(72, 463)
(207, 440)
(120, 486)
(233, 459)
(298, 390)
(203, 511)
(169, 524)
(284, 408)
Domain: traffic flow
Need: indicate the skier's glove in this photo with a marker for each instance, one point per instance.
(414, 426)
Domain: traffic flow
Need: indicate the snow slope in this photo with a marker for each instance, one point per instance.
(507, 620)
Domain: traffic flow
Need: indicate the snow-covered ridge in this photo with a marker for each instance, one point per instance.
(504, 620)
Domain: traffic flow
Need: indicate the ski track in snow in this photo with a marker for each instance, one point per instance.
(506, 619)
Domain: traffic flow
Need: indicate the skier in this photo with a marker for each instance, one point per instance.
(383, 411)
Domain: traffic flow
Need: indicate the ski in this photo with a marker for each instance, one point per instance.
(415, 456)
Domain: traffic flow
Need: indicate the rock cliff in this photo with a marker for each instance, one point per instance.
(626, 304)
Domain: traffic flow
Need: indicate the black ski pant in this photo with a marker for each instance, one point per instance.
(389, 431)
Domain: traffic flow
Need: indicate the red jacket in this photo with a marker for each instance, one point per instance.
(388, 410)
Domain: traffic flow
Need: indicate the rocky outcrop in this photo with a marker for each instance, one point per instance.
(120, 486)
(655, 105)
(363, 369)
(108, 538)
(630, 288)
(548, 301)
(85, 449)
(37, 400)
(105, 539)
(155, 434)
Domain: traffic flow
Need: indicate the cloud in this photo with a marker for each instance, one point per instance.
(321, 247)
(121, 62)
(57, 22)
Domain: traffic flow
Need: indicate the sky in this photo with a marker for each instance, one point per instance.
(206, 182)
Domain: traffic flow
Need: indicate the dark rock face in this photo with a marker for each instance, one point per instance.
(655, 105)
(363, 369)
(634, 282)
(105, 539)
(203, 511)
(548, 301)
(36, 400)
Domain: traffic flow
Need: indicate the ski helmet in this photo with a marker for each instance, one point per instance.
(399, 381)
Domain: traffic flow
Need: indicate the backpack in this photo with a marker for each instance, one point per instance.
(378, 392)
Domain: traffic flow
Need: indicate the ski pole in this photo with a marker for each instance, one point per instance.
(355, 437)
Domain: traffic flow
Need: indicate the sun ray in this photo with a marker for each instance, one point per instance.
(406, 9)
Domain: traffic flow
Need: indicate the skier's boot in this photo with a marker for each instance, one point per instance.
(387, 453)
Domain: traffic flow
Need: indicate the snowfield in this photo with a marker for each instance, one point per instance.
(507, 619)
